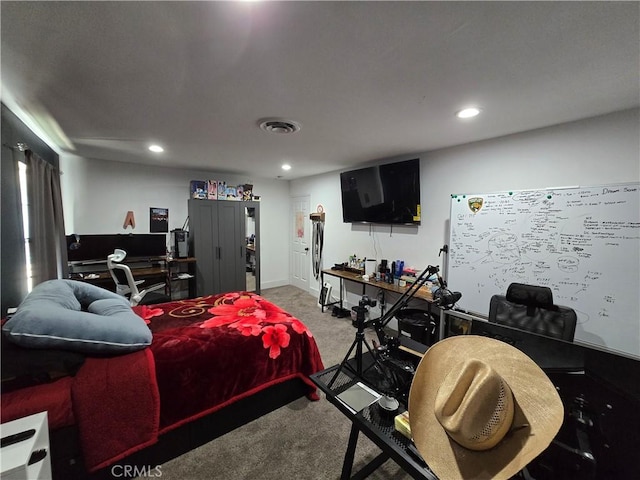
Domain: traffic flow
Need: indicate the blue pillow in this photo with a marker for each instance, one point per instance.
(78, 316)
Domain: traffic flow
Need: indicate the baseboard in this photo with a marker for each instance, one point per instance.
(274, 284)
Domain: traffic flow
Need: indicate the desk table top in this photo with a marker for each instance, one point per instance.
(379, 429)
(423, 292)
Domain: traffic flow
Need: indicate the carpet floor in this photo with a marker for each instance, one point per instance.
(303, 440)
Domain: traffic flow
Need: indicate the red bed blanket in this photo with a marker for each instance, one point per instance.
(206, 353)
(113, 402)
(116, 406)
(214, 350)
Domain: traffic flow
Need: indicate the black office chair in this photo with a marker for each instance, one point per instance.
(531, 308)
(127, 286)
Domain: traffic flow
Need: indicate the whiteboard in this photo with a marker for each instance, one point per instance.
(582, 242)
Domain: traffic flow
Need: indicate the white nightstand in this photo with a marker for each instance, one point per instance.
(14, 459)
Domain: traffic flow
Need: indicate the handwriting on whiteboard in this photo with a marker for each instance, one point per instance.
(583, 243)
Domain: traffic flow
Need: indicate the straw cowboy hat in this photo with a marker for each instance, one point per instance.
(480, 408)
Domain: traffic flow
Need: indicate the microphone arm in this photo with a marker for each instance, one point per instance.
(379, 323)
(443, 297)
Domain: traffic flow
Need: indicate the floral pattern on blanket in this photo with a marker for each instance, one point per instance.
(253, 316)
(249, 314)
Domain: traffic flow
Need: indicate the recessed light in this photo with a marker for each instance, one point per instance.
(156, 148)
(286, 166)
(468, 112)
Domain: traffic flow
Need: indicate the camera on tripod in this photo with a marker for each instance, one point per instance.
(361, 309)
(367, 302)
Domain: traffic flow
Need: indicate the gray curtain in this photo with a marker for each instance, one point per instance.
(46, 221)
(14, 272)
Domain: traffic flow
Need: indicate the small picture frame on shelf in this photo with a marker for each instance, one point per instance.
(247, 192)
(230, 192)
(198, 189)
(212, 189)
(222, 190)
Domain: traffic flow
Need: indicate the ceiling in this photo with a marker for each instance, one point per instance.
(366, 80)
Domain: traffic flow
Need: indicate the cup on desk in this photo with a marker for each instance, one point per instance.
(402, 283)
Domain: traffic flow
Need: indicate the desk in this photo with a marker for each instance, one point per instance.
(171, 271)
(599, 390)
(380, 431)
(422, 294)
(103, 278)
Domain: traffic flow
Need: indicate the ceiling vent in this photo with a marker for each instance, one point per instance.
(277, 125)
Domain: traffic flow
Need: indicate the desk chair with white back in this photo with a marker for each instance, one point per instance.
(127, 286)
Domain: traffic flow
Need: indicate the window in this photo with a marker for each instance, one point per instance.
(24, 202)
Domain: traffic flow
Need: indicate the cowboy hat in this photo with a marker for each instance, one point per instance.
(480, 408)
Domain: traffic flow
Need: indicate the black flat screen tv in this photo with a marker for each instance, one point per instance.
(386, 194)
(96, 247)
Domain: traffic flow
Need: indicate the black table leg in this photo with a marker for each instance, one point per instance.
(347, 465)
(368, 469)
(371, 467)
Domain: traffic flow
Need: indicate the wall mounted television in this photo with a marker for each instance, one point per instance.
(387, 194)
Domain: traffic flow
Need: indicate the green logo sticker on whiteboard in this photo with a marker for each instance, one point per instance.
(475, 204)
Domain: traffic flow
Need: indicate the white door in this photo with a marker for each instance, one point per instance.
(300, 253)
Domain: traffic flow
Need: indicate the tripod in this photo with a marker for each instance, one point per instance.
(358, 343)
(444, 299)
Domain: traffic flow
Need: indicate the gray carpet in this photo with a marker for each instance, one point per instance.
(303, 440)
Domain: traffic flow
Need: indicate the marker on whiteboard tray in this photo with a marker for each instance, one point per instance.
(563, 188)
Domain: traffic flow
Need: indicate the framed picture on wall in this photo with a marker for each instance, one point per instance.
(159, 220)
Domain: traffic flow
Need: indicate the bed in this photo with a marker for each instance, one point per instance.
(213, 364)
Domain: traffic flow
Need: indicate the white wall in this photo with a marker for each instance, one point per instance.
(596, 151)
(98, 194)
(600, 150)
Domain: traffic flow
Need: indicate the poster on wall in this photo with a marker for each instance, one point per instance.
(299, 224)
(159, 220)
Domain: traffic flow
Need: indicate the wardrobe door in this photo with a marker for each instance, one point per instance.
(232, 246)
(203, 236)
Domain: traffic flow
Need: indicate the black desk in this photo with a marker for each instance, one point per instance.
(99, 275)
(599, 389)
(379, 430)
